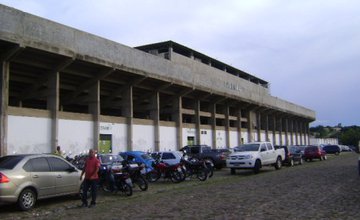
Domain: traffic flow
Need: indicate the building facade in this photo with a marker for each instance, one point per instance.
(62, 86)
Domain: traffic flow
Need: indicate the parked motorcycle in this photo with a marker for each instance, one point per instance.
(136, 174)
(112, 178)
(194, 167)
(161, 169)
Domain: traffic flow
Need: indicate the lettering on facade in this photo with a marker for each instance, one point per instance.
(232, 86)
(105, 127)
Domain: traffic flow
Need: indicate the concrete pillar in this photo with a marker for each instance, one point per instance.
(250, 126)
(280, 131)
(287, 142)
(94, 109)
(227, 126)
(4, 101)
(274, 129)
(155, 116)
(197, 121)
(170, 51)
(267, 127)
(258, 122)
(296, 131)
(213, 125)
(239, 141)
(301, 127)
(127, 110)
(53, 105)
(177, 117)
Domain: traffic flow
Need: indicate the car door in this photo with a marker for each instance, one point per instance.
(41, 176)
(271, 153)
(67, 178)
(264, 154)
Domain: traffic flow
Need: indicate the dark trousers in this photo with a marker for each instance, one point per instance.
(92, 185)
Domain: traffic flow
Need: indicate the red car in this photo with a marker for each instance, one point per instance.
(314, 152)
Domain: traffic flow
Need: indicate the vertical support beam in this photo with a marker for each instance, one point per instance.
(280, 131)
(239, 141)
(213, 125)
(307, 133)
(155, 116)
(127, 110)
(274, 130)
(296, 131)
(258, 124)
(267, 127)
(4, 101)
(177, 117)
(53, 105)
(94, 109)
(197, 121)
(250, 126)
(301, 132)
(227, 126)
(287, 131)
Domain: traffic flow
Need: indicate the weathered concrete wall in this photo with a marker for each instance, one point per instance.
(32, 31)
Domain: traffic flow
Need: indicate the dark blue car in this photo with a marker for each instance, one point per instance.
(139, 157)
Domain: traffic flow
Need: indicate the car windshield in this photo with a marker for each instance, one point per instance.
(111, 158)
(146, 157)
(293, 149)
(247, 147)
(9, 162)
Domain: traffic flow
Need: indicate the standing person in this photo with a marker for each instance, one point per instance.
(58, 151)
(90, 169)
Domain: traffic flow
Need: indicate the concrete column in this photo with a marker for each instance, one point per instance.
(94, 109)
(239, 142)
(197, 121)
(250, 126)
(287, 142)
(301, 133)
(170, 51)
(307, 133)
(213, 125)
(258, 123)
(227, 126)
(296, 131)
(267, 127)
(280, 131)
(177, 117)
(4, 101)
(53, 105)
(155, 116)
(127, 110)
(274, 130)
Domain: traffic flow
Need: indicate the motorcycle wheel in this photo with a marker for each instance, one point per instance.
(202, 174)
(210, 167)
(142, 183)
(153, 176)
(126, 189)
(176, 176)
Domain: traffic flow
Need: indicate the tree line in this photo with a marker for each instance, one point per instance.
(349, 135)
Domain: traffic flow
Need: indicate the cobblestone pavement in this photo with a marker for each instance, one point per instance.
(316, 190)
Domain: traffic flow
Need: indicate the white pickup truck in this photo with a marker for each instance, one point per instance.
(254, 156)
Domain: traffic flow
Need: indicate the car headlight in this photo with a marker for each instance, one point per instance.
(248, 156)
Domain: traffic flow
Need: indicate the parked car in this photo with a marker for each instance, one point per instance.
(293, 155)
(26, 178)
(205, 152)
(169, 157)
(332, 149)
(139, 157)
(254, 156)
(314, 152)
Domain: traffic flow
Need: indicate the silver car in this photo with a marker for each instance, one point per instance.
(26, 178)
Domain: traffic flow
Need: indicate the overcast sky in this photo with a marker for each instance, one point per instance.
(309, 50)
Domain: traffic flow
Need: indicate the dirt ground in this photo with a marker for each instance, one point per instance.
(315, 190)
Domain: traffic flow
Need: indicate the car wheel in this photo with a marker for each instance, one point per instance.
(291, 163)
(278, 163)
(301, 161)
(232, 171)
(257, 166)
(27, 199)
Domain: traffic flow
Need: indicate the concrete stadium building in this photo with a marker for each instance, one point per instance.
(62, 86)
